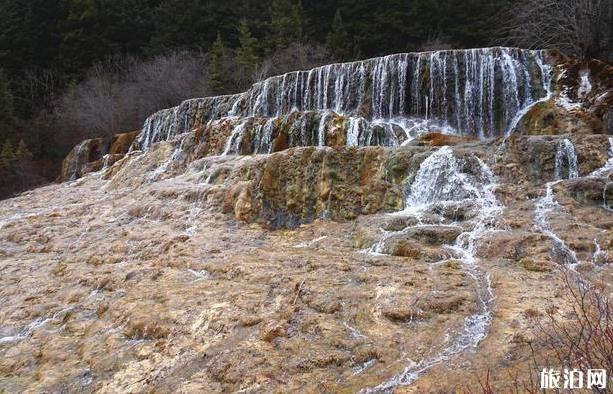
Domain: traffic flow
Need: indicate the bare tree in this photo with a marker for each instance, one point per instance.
(436, 42)
(296, 56)
(578, 27)
(121, 92)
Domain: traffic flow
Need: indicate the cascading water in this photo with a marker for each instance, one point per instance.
(476, 92)
(441, 179)
(81, 152)
(234, 142)
(566, 161)
(566, 168)
(605, 171)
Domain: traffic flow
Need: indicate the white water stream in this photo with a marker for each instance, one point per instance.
(441, 179)
(566, 167)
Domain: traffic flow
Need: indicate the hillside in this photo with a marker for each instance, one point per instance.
(389, 225)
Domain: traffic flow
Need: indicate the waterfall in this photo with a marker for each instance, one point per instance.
(353, 132)
(321, 132)
(478, 92)
(547, 75)
(544, 206)
(605, 171)
(566, 167)
(441, 179)
(608, 167)
(81, 158)
(566, 161)
(233, 144)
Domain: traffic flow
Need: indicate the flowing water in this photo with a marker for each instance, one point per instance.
(566, 168)
(566, 161)
(36, 325)
(479, 92)
(605, 171)
(444, 179)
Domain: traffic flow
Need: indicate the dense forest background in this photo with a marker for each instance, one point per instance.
(75, 69)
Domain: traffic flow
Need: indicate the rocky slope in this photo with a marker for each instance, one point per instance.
(329, 242)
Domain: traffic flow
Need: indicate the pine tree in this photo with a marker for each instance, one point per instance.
(6, 100)
(338, 41)
(7, 155)
(286, 23)
(22, 152)
(246, 53)
(83, 40)
(216, 75)
(298, 21)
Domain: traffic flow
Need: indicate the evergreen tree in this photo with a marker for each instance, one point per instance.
(83, 41)
(217, 60)
(338, 41)
(7, 155)
(246, 54)
(298, 20)
(286, 23)
(6, 99)
(22, 152)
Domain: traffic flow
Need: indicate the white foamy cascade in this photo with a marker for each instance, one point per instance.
(605, 171)
(474, 92)
(566, 168)
(443, 171)
(81, 158)
(566, 161)
(608, 166)
(440, 179)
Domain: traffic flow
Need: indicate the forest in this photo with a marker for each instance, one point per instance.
(75, 69)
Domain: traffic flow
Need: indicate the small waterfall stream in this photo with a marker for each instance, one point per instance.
(565, 168)
(605, 171)
(566, 161)
(441, 179)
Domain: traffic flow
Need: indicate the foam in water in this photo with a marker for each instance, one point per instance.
(566, 168)
(566, 161)
(440, 179)
(477, 92)
(442, 171)
(37, 324)
(81, 158)
(604, 171)
(608, 167)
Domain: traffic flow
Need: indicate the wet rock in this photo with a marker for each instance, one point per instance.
(433, 235)
(323, 303)
(440, 139)
(121, 143)
(536, 265)
(398, 223)
(78, 162)
(273, 330)
(456, 212)
(402, 246)
(404, 313)
(587, 190)
(443, 304)
(153, 327)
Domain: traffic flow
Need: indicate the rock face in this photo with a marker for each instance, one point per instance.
(94, 155)
(359, 227)
(82, 159)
